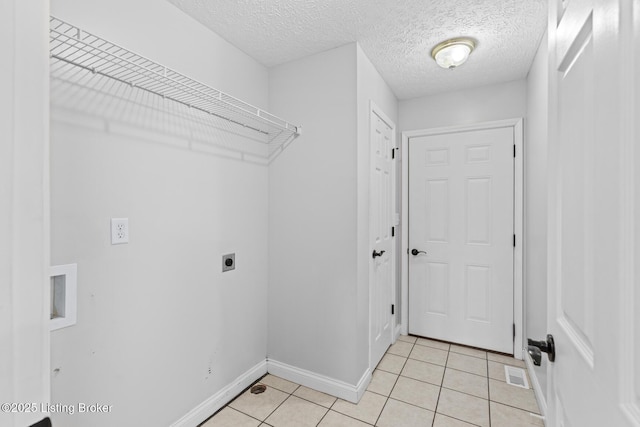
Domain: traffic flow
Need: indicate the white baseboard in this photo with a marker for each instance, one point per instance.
(221, 398)
(542, 402)
(396, 333)
(306, 378)
(319, 382)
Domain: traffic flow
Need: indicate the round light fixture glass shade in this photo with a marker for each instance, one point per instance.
(454, 52)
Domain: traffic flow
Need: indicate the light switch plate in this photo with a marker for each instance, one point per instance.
(119, 231)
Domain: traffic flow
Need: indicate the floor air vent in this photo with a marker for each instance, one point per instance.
(516, 376)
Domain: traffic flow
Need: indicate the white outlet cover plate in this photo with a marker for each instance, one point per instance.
(119, 231)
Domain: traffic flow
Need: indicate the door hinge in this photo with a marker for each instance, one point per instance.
(514, 150)
(514, 240)
(393, 153)
(393, 309)
(514, 331)
(393, 232)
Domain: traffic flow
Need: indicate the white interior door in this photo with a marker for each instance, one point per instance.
(595, 379)
(381, 221)
(461, 228)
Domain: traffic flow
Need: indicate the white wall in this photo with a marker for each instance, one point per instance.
(482, 104)
(313, 218)
(486, 103)
(319, 213)
(371, 87)
(521, 98)
(24, 218)
(163, 33)
(160, 328)
(536, 204)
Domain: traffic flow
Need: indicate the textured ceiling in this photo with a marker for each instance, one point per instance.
(396, 35)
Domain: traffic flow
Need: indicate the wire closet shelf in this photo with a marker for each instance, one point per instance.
(71, 45)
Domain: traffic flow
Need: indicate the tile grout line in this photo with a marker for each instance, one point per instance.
(334, 404)
(388, 397)
(514, 407)
(384, 406)
(323, 417)
(442, 387)
(451, 389)
(435, 411)
(228, 405)
(345, 415)
(396, 381)
(486, 376)
(328, 409)
(468, 355)
(338, 412)
(411, 404)
(467, 372)
(503, 403)
(325, 414)
(488, 391)
(331, 409)
(240, 412)
(310, 401)
(281, 403)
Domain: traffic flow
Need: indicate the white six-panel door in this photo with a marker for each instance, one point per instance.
(461, 220)
(593, 303)
(381, 221)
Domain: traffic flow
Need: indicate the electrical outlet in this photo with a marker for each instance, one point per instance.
(228, 262)
(119, 231)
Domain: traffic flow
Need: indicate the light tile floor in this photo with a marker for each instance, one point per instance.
(419, 382)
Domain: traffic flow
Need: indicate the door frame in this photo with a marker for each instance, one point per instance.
(518, 221)
(374, 109)
(630, 131)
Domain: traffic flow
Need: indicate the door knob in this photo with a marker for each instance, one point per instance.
(416, 252)
(548, 346)
(376, 254)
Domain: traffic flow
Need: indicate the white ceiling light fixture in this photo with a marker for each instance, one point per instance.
(453, 52)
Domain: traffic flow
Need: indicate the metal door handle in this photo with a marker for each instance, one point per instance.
(548, 346)
(415, 252)
(376, 254)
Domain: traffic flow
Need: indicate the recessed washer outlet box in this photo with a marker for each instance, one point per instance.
(64, 300)
(228, 262)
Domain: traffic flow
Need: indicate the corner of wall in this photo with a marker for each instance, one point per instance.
(325, 384)
(536, 143)
(372, 90)
(313, 188)
(24, 209)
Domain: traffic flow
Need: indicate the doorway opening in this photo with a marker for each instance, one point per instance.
(465, 219)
